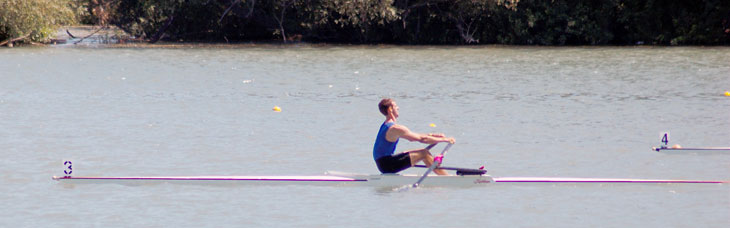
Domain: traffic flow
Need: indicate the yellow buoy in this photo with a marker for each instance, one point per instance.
(276, 109)
(727, 93)
(432, 125)
(676, 146)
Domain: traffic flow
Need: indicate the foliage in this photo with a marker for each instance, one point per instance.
(524, 22)
(558, 23)
(37, 18)
(674, 22)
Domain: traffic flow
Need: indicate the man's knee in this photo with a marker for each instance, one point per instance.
(419, 154)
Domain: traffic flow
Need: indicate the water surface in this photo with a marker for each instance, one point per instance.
(521, 111)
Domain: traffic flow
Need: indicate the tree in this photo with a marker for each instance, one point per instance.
(37, 20)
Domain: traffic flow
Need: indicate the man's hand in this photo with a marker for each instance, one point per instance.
(451, 140)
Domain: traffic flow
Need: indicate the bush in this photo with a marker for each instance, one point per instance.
(37, 18)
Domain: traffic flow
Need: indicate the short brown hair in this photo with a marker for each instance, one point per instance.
(384, 105)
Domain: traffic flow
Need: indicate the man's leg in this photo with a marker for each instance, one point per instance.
(425, 156)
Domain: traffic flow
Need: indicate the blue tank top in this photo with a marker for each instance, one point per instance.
(383, 147)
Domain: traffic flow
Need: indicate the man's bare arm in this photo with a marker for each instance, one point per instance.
(405, 133)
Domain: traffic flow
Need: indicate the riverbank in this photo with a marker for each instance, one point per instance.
(77, 35)
(91, 35)
(113, 37)
(83, 36)
(462, 22)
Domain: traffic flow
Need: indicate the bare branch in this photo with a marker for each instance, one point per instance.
(162, 30)
(69, 34)
(9, 42)
(280, 19)
(235, 2)
(82, 39)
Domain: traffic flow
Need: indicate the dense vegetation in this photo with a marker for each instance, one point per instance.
(541, 22)
(35, 20)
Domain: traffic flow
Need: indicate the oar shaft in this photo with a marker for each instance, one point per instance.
(433, 166)
(430, 146)
(452, 168)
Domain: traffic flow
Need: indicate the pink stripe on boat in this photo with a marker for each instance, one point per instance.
(596, 180)
(224, 178)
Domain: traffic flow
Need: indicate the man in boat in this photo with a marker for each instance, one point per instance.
(388, 136)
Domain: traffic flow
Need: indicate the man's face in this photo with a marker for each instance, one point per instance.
(394, 109)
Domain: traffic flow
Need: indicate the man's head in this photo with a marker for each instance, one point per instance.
(387, 106)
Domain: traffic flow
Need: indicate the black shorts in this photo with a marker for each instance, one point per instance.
(394, 163)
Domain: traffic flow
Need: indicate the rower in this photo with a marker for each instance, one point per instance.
(387, 139)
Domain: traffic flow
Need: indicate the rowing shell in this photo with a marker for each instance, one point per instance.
(330, 178)
(349, 179)
(659, 149)
(665, 147)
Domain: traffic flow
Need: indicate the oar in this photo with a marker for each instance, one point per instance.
(436, 162)
(464, 171)
(431, 146)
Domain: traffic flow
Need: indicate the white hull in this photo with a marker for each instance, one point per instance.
(329, 179)
(387, 180)
(349, 179)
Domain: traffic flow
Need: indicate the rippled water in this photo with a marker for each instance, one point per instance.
(521, 111)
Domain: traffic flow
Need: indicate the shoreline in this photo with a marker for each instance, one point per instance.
(87, 36)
